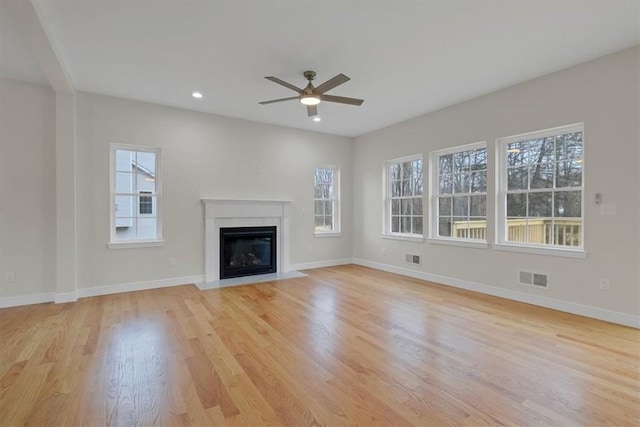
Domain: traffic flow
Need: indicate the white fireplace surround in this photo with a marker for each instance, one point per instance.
(221, 213)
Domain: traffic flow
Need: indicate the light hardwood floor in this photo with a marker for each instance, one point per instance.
(344, 346)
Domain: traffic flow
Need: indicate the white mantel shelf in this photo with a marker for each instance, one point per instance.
(220, 213)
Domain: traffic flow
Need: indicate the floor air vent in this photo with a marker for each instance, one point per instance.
(412, 259)
(534, 279)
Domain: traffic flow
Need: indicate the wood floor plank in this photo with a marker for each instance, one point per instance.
(345, 345)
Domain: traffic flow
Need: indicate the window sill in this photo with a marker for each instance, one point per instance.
(568, 253)
(135, 244)
(403, 237)
(459, 242)
(327, 234)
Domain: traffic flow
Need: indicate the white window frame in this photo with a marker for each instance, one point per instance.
(114, 242)
(387, 200)
(335, 231)
(434, 164)
(501, 190)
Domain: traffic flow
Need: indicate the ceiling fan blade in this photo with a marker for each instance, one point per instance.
(312, 110)
(278, 100)
(342, 99)
(283, 83)
(331, 83)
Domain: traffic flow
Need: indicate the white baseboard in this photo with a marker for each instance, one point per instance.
(568, 307)
(26, 299)
(138, 286)
(62, 298)
(321, 264)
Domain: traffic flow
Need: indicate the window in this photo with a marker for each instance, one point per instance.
(146, 203)
(404, 197)
(326, 187)
(542, 188)
(135, 196)
(459, 193)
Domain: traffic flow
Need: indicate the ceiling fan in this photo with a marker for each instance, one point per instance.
(311, 96)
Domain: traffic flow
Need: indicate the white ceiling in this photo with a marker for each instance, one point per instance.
(405, 58)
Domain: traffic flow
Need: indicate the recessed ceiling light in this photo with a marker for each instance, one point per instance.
(317, 119)
(196, 95)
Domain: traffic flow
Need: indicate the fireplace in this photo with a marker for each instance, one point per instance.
(245, 251)
(226, 213)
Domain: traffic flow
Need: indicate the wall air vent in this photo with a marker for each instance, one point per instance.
(534, 279)
(412, 259)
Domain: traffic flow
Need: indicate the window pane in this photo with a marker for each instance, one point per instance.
(478, 205)
(517, 205)
(319, 207)
(417, 224)
(444, 206)
(395, 224)
(479, 182)
(328, 223)
(478, 229)
(406, 207)
(124, 160)
(569, 146)
(539, 231)
(146, 162)
(445, 164)
(325, 191)
(515, 153)
(407, 170)
(518, 178)
(516, 230)
(395, 207)
(395, 188)
(461, 183)
(395, 172)
(568, 174)
(446, 184)
(542, 176)
(444, 227)
(417, 206)
(540, 204)
(124, 182)
(319, 222)
(417, 169)
(146, 228)
(460, 228)
(567, 232)
(568, 204)
(417, 187)
(478, 159)
(405, 224)
(540, 150)
(461, 206)
(406, 188)
(461, 162)
(124, 206)
(328, 208)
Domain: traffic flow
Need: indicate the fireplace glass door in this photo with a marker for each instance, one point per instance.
(245, 251)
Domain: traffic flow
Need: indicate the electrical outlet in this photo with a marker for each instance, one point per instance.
(384, 251)
(604, 284)
(10, 276)
(172, 262)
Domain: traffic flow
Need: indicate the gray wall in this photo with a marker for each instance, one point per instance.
(27, 188)
(604, 94)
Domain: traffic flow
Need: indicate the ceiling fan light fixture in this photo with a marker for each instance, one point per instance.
(310, 99)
